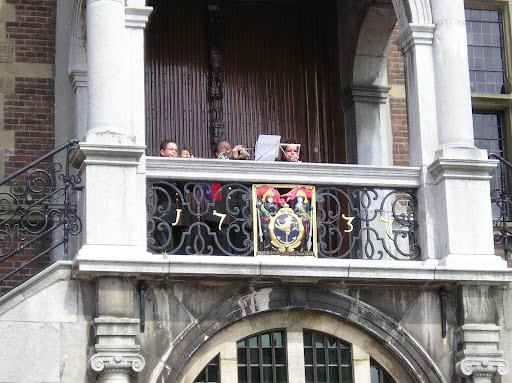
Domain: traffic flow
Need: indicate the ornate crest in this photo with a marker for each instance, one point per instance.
(286, 230)
(285, 220)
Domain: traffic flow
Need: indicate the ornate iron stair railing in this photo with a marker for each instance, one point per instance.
(502, 199)
(37, 215)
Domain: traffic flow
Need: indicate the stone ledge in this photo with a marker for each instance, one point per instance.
(58, 271)
(202, 169)
(289, 269)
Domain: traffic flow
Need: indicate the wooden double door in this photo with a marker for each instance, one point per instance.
(235, 69)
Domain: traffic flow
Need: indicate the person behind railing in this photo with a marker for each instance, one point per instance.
(174, 220)
(290, 151)
(169, 148)
(222, 150)
(228, 206)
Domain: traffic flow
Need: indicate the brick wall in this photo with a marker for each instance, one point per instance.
(27, 56)
(396, 79)
(28, 109)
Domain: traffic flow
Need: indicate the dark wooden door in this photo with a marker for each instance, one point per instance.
(278, 74)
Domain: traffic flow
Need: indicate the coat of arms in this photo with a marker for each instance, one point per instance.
(284, 218)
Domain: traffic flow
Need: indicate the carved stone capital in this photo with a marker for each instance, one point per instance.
(117, 362)
(479, 357)
(481, 367)
(373, 94)
(415, 34)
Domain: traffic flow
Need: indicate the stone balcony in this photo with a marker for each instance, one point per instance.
(346, 265)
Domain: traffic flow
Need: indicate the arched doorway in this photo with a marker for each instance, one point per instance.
(294, 346)
(294, 308)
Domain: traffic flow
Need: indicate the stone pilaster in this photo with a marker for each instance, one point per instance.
(463, 212)
(479, 358)
(415, 42)
(368, 108)
(116, 355)
(79, 82)
(136, 17)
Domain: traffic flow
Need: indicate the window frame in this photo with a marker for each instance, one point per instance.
(294, 322)
(498, 103)
(504, 6)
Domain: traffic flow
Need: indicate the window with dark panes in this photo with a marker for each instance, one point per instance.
(268, 357)
(490, 135)
(210, 373)
(326, 359)
(487, 72)
(378, 374)
(485, 51)
(262, 358)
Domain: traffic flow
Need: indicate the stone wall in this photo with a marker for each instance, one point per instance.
(45, 326)
(384, 321)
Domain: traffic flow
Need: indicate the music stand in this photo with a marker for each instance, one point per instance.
(267, 148)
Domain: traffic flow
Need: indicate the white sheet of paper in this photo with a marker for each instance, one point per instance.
(267, 147)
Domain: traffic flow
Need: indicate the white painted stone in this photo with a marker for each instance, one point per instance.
(55, 303)
(463, 208)
(292, 269)
(73, 354)
(361, 365)
(107, 72)
(454, 118)
(31, 348)
(55, 274)
(202, 169)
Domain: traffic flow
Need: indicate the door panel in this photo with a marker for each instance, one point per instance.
(279, 74)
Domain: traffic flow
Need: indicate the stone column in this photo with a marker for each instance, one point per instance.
(461, 171)
(110, 159)
(415, 42)
(455, 123)
(116, 354)
(107, 73)
(479, 358)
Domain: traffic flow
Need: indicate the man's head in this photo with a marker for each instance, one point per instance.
(290, 151)
(222, 147)
(168, 148)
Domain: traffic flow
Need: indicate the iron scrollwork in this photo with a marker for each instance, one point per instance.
(217, 219)
(199, 218)
(366, 223)
(501, 204)
(37, 209)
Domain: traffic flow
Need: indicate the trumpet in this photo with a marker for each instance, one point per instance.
(244, 153)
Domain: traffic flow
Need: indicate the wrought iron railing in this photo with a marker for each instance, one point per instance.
(37, 215)
(501, 200)
(219, 219)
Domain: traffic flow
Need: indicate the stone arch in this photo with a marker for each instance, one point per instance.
(359, 315)
(370, 61)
